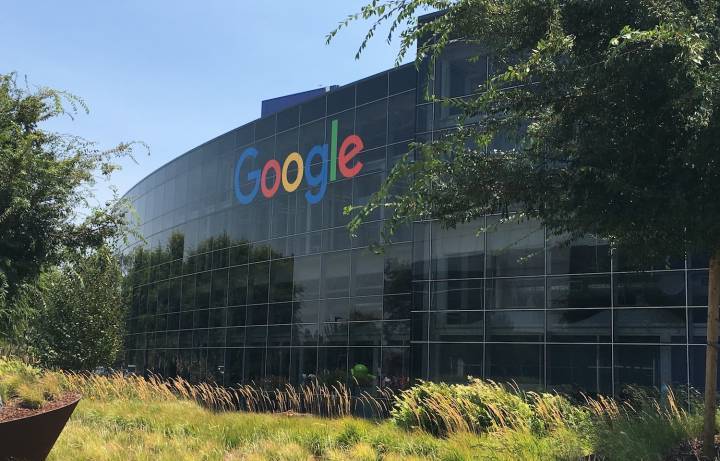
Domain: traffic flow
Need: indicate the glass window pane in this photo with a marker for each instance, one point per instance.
(698, 288)
(650, 366)
(233, 366)
(306, 277)
(336, 274)
(332, 365)
(218, 317)
(306, 311)
(367, 273)
(573, 368)
(650, 325)
(333, 334)
(303, 365)
(280, 313)
(219, 295)
(235, 337)
(371, 124)
(237, 292)
(372, 88)
(396, 333)
(265, 127)
(365, 333)
(281, 280)
(397, 307)
(256, 336)
(305, 335)
(202, 290)
(398, 272)
(288, 118)
(457, 295)
(337, 197)
(579, 325)
(367, 358)
(514, 248)
(520, 363)
(312, 110)
(650, 289)
(188, 292)
(340, 99)
(456, 326)
(258, 278)
(515, 326)
(278, 335)
(516, 293)
(458, 252)
(366, 308)
(462, 70)
(581, 256)
(335, 310)
(254, 365)
(311, 135)
(401, 117)
(403, 78)
(396, 367)
(455, 362)
(579, 291)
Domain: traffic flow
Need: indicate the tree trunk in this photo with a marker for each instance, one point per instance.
(711, 355)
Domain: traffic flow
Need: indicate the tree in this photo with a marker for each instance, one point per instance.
(613, 109)
(45, 193)
(78, 322)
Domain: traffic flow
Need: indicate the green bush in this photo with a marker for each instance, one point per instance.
(441, 408)
(31, 395)
(26, 383)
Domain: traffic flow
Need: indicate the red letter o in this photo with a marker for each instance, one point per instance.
(274, 165)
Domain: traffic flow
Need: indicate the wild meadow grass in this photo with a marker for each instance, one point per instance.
(134, 418)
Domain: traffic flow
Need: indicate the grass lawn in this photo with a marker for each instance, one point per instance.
(132, 418)
(182, 430)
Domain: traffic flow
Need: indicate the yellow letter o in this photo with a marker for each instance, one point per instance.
(287, 185)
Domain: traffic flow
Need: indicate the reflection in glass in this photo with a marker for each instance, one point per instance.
(456, 326)
(650, 289)
(516, 293)
(455, 362)
(575, 367)
(521, 363)
(515, 326)
(650, 366)
(650, 326)
(579, 291)
(514, 248)
(458, 253)
(579, 325)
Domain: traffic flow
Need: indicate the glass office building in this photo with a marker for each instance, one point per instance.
(233, 285)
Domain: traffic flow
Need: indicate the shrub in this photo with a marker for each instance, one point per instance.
(26, 383)
(441, 408)
(30, 395)
(555, 411)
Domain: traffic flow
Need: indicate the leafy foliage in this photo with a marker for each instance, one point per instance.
(46, 192)
(80, 312)
(441, 408)
(29, 385)
(612, 107)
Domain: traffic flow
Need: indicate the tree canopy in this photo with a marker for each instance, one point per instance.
(46, 190)
(611, 107)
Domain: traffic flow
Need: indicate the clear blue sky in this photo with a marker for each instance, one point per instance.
(175, 74)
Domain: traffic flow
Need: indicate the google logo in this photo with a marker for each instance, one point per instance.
(268, 185)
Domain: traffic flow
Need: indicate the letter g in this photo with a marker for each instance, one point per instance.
(254, 175)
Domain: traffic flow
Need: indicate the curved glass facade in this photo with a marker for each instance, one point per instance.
(232, 286)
